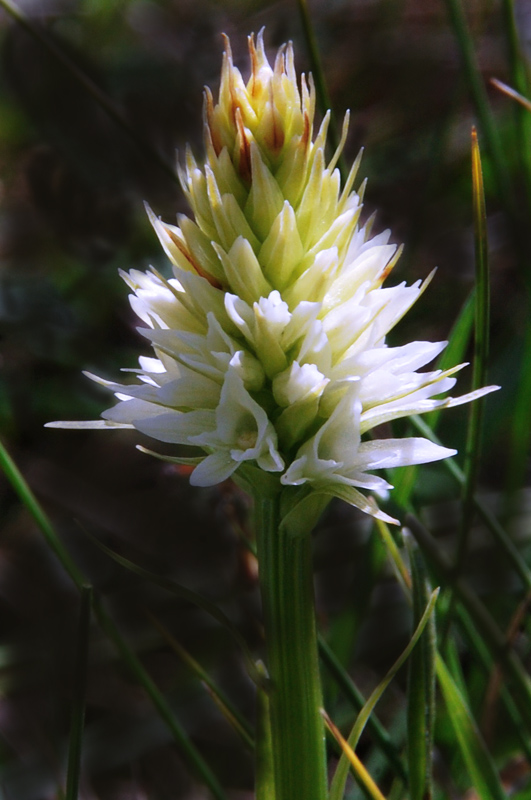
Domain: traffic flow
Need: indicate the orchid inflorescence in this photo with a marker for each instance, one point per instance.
(270, 338)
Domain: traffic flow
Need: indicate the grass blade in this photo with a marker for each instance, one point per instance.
(80, 687)
(375, 728)
(487, 627)
(362, 776)
(228, 709)
(185, 594)
(29, 500)
(479, 96)
(338, 783)
(473, 749)
(192, 756)
(498, 532)
(481, 348)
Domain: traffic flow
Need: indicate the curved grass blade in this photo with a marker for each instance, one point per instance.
(80, 687)
(374, 726)
(185, 594)
(361, 774)
(477, 758)
(338, 782)
(228, 709)
(190, 753)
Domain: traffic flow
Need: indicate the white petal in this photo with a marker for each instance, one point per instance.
(387, 453)
(215, 468)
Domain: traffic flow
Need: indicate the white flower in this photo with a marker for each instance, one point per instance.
(270, 338)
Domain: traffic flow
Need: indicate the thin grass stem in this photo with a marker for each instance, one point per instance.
(190, 752)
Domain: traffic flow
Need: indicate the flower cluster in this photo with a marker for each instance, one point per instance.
(270, 338)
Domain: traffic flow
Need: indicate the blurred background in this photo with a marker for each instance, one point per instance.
(72, 188)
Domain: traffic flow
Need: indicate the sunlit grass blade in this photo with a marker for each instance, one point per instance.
(89, 86)
(357, 700)
(338, 783)
(185, 594)
(487, 627)
(80, 686)
(190, 753)
(361, 774)
(481, 349)
(228, 709)
(481, 768)
(421, 684)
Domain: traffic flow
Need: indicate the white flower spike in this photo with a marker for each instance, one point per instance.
(270, 338)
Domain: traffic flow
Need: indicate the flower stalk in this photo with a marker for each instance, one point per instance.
(297, 730)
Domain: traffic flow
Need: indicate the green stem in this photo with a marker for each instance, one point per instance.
(297, 731)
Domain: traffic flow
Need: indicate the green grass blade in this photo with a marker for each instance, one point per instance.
(228, 709)
(487, 627)
(357, 700)
(337, 787)
(497, 530)
(189, 751)
(479, 97)
(479, 763)
(421, 685)
(483, 656)
(185, 594)
(80, 687)
(481, 348)
(365, 781)
(29, 500)
(519, 79)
